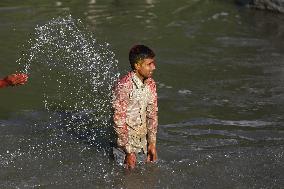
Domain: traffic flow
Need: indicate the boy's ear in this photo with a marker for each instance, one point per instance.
(136, 65)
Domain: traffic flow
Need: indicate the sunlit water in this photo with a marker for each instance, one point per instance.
(78, 76)
(220, 87)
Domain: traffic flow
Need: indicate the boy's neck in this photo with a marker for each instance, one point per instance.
(139, 76)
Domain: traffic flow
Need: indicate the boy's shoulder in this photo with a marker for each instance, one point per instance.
(151, 81)
(151, 84)
(126, 78)
(125, 81)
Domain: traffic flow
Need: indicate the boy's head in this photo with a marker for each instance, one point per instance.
(138, 53)
(142, 61)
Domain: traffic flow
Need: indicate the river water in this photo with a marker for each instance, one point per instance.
(220, 74)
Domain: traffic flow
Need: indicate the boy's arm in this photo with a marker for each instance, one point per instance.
(3, 83)
(13, 79)
(121, 99)
(152, 115)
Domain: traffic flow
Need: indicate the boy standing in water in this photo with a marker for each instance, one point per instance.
(135, 108)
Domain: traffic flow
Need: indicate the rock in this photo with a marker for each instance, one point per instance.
(273, 5)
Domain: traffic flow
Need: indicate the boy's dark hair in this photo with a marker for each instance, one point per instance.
(139, 52)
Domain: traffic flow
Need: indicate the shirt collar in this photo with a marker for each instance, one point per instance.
(137, 81)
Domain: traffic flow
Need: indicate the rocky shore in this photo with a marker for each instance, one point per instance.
(272, 5)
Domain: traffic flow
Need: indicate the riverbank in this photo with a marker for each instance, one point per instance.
(270, 5)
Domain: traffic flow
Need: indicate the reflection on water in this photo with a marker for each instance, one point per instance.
(99, 13)
(220, 87)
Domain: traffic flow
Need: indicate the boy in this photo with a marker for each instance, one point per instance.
(13, 79)
(135, 108)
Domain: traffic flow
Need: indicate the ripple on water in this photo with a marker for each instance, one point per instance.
(242, 42)
(207, 133)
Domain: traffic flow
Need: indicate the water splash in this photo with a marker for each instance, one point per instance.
(78, 74)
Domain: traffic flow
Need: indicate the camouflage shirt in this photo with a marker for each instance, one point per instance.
(135, 112)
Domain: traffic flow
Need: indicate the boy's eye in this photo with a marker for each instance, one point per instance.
(152, 63)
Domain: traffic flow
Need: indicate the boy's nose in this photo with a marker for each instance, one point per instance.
(153, 67)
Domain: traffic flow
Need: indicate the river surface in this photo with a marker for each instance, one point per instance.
(220, 75)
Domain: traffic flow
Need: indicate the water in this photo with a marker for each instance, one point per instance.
(220, 88)
(78, 75)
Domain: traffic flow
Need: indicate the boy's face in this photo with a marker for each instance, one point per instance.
(145, 68)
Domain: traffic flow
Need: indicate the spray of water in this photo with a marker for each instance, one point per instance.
(78, 75)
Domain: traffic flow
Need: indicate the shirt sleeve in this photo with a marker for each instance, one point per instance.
(120, 102)
(152, 115)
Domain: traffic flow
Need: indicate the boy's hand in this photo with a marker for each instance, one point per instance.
(16, 79)
(152, 153)
(130, 160)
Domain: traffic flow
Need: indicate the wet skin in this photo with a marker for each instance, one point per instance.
(13, 79)
(143, 69)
